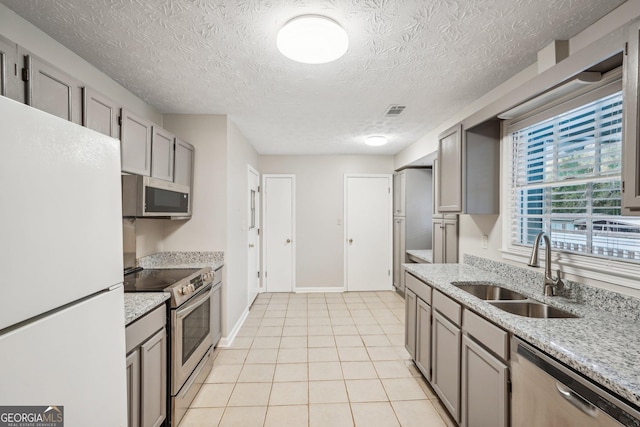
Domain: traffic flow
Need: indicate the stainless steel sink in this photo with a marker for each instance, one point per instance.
(533, 309)
(489, 291)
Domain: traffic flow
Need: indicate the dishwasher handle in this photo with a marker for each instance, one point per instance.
(576, 400)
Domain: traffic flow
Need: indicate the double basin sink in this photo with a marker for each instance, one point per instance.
(511, 301)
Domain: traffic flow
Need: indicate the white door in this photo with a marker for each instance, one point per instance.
(279, 225)
(253, 235)
(368, 232)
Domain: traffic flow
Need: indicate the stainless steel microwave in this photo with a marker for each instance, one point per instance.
(147, 197)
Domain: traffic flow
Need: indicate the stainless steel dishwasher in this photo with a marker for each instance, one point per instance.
(546, 393)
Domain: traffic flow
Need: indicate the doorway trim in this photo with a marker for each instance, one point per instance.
(255, 221)
(345, 222)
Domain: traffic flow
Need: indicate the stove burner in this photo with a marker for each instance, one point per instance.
(155, 280)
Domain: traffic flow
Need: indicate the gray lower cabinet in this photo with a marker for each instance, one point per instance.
(183, 163)
(162, 154)
(445, 363)
(51, 90)
(146, 341)
(423, 338)
(484, 387)
(410, 314)
(485, 372)
(133, 388)
(135, 140)
(100, 113)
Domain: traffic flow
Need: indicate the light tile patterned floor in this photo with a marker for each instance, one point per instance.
(318, 360)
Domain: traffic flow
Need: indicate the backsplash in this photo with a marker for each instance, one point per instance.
(179, 259)
(613, 302)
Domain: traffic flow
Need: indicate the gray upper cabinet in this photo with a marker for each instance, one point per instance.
(468, 172)
(51, 90)
(183, 163)
(630, 148)
(100, 113)
(450, 170)
(9, 82)
(162, 154)
(135, 138)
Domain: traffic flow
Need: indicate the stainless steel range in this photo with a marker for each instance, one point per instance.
(190, 352)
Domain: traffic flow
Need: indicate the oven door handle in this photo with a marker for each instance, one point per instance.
(192, 305)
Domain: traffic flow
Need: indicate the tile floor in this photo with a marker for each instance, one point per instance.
(318, 360)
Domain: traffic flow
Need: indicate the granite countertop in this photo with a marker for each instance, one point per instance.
(424, 254)
(138, 304)
(601, 345)
(215, 260)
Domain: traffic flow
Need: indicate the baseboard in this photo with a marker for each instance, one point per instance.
(228, 340)
(319, 290)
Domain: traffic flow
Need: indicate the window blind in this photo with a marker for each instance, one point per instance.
(567, 182)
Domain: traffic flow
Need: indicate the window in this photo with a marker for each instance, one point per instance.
(566, 178)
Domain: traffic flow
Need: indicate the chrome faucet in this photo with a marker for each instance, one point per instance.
(551, 284)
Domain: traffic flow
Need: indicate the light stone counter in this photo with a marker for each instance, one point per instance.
(603, 344)
(137, 304)
(214, 260)
(425, 255)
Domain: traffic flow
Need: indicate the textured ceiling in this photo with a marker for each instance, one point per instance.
(219, 57)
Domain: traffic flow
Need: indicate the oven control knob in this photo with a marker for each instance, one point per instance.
(185, 290)
(192, 288)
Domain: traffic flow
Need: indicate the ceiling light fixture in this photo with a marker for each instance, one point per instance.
(375, 141)
(312, 39)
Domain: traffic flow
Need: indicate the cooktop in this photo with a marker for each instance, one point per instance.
(155, 280)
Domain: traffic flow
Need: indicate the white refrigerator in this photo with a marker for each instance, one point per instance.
(62, 341)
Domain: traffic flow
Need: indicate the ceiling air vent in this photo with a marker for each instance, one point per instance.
(394, 110)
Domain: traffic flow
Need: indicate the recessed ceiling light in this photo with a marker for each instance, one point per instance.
(375, 141)
(312, 39)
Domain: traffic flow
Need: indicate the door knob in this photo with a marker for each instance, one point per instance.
(350, 241)
(250, 245)
(288, 240)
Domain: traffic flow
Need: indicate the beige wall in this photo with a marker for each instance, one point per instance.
(240, 154)
(320, 210)
(606, 35)
(20, 31)
(206, 230)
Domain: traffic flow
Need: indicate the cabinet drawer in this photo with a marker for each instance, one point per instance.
(138, 332)
(447, 307)
(420, 288)
(490, 335)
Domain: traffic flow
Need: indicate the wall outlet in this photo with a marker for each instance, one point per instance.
(485, 241)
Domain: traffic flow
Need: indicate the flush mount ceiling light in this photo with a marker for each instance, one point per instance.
(312, 39)
(375, 141)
